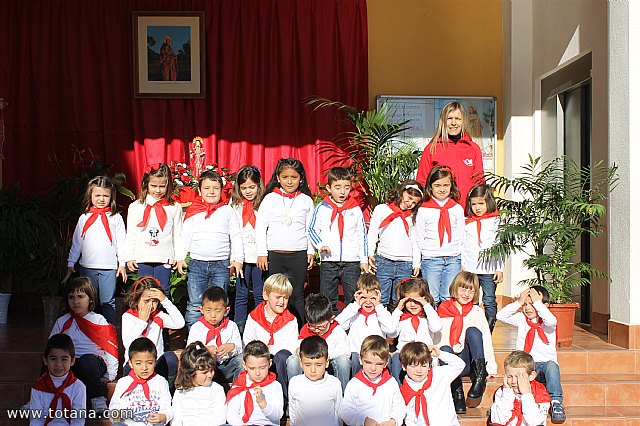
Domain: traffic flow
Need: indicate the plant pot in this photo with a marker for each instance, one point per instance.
(565, 314)
(4, 307)
(52, 307)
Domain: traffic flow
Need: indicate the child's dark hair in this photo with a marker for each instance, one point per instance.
(257, 349)
(414, 285)
(144, 283)
(103, 182)
(317, 308)
(211, 175)
(314, 347)
(368, 282)
(413, 188)
(82, 285)
(215, 294)
(338, 173)
(288, 163)
(142, 345)
(415, 353)
(484, 191)
(156, 170)
(441, 172)
(246, 173)
(60, 341)
(195, 357)
(543, 291)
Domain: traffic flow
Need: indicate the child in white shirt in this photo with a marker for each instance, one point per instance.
(373, 397)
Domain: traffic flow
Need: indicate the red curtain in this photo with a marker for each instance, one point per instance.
(67, 72)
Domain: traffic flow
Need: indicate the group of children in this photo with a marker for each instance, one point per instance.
(276, 231)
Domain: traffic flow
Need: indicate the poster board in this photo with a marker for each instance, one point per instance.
(424, 111)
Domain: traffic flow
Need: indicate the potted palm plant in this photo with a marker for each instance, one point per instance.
(552, 205)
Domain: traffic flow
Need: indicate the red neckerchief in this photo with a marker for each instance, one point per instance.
(158, 208)
(535, 327)
(349, 203)
(279, 191)
(478, 221)
(240, 385)
(200, 206)
(45, 384)
(366, 315)
(248, 213)
(397, 212)
(540, 395)
(448, 309)
(306, 331)
(154, 317)
(102, 335)
(415, 319)
(421, 402)
(444, 223)
(214, 331)
(384, 378)
(95, 213)
(138, 381)
(280, 320)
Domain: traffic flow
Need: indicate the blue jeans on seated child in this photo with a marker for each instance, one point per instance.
(104, 281)
(162, 271)
(488, 295)
(473, 349)
(549, 374)
(255, 277)
(340, 367)
(331, 273)
(229, 369)
(89, 369)
(202, 275)
(280, 366)
(390, 273)
(396, 367)
(439, 273)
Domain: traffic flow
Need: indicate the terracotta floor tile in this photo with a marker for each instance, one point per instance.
(584, 412)
(599, 362)
(638, 362)
(598, 422)
(622, 394)
(572, 362)
(616, 377)
(627, 411)
(584, 394)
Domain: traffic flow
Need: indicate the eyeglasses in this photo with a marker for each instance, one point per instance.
(319, 327)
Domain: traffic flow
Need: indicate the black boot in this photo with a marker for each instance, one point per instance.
(458, 396)
(478, 382)
(492, 323)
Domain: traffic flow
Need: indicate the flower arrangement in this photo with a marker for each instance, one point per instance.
(186, 182)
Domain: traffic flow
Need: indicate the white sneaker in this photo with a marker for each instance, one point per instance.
(99, 404)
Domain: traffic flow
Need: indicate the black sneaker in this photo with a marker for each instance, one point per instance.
(557, 412)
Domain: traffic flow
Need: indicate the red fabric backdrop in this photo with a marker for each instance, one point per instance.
(67, 72)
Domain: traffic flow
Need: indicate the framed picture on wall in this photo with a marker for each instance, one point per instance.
(168, 55)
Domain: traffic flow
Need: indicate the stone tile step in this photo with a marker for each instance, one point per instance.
(576, 416)
(20, 366)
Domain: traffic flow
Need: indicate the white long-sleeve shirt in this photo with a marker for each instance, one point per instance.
(360, 327)
(540, 351)
(95, 250)
(393, 241)
(286, 338)
(427, 326)
(337, 341)
(268, 416)
(84, 345)
(137, 403)
(200, 405)
(323, 232)
(440, 406)
(272, 232)
(133, 327)
(40, 401)
(152, 244)
(471, 248)
(217, 237)
(248, 237)
(533, 413)
(314, 403)
(427, 235)
(476, 319)
(229, 334)
(359, 402)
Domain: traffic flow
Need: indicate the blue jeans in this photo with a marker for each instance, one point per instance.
(390, 273)
(279, 366)
(488, 295)
(396, 367)
(473, 349)
(229, 369)
(161, 271)
(340, 367)
(202, 275)
(439, 273)
(253, 276)
(549, 374)
(104, 281)
(331, 273)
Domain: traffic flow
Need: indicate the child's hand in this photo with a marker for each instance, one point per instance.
(497, 277)
(415, 272)
(263, 263)
(132, 265)
(390, 422)
(435, 351)
(401, 303)
(225, 349)
(262, 402)
(145, 312)
(535, 295)
(156, 293)
(372, 263)
(505, 382)
(325, 249)
(238, 267)
(422, 301)
(524, 296)
(524, 386)
(309, 262)
(181, 266)
(359, 298)
(70, 271)
(377, 297)
(122, 272)
(364, 267)
(156, 418)
(213, 350)
(370, 422)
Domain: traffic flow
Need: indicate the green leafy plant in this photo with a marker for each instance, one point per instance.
(552, 205)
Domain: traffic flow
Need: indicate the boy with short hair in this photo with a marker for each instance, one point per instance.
(255, 397)
(315, 396)
(338, 232)
(373, 397)
(59, 356)
(220, 335)
(537, 336)
(520, 400)
(143, 394)
(364, 317)
(426, 390)
(321, 322)
(273, 324)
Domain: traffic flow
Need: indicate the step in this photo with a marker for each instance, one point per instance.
(20, 366)
(576, 416)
